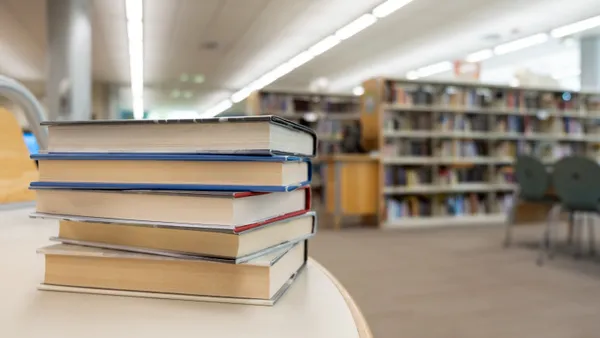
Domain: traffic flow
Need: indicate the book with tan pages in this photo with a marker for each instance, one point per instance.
(186, 241)
(226, 210)
(264, 134)
(264, 278)
(158, 171)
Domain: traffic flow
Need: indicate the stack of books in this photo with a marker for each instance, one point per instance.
(208, 209)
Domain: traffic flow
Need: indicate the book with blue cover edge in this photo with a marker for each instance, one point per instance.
(169, 157)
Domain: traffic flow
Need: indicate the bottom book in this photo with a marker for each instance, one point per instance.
(261, 281)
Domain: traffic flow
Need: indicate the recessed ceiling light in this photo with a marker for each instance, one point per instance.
(198, 78)
(184, 77)
(176, 93)
(358, 90)
(187, 94)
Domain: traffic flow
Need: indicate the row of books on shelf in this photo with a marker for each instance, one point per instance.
(459, 96)
(478, 148)
(415, 176)
(290, 103)
(419, 147)
(444, 206)
(410, 121)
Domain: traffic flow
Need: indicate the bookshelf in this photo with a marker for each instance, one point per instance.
(327, 113)
(447, 149)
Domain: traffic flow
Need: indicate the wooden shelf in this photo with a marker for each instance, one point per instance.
(448, 221)
(450, 188)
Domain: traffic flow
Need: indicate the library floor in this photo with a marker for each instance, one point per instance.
(461, 283)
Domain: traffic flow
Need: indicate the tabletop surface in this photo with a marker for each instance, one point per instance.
(314, 306)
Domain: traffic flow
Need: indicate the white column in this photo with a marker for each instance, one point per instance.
(69, 59)
(590, 63)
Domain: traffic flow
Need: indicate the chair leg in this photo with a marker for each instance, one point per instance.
(591, 234)
(553, 229)
(578, 234)
(570, 228)
(509, 224)
(545, 242)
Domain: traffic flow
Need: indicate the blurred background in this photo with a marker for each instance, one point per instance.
(421, 108)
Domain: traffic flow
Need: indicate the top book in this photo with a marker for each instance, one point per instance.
(228, 135)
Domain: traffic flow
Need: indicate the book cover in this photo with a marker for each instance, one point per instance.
(167, 157)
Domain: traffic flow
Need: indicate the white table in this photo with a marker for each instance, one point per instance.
(315, 306)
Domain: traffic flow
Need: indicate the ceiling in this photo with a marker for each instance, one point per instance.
(233, 42)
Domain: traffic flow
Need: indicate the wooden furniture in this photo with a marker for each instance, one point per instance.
(351, 182)
(447, 148)
(315, 306)
(16, 169)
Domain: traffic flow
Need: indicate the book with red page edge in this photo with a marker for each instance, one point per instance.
(246, 227)
(205, 227)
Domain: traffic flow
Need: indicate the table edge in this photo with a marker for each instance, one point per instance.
(359, 319)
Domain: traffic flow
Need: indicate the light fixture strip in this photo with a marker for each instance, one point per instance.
(134, 11)
(519, 44)
(389, 7)
(576, 27)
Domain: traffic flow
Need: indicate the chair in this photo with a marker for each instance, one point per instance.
(576, 180)
(534, 182)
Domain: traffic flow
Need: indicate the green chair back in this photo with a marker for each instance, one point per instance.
(576, 180)
(533, 178)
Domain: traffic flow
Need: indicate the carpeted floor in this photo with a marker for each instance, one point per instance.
(461, 283)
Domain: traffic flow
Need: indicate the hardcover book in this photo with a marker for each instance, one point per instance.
(264, 135)
(185, 240)
(69, 267)
(210, 172)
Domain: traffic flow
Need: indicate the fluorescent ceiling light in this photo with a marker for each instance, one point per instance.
(135, 34)
(358, 90)
(480, 56)
(389, 7)
(576, 27)
(241, 94)
(324, 45)
(519, 44)
(566, 75)
(300, 59)
(355, 26)
(434, 69)
(134, 10)
(218, 108)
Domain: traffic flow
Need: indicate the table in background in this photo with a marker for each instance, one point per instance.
(315, 306)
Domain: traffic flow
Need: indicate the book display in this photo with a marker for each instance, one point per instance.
(446, 149)
(219, 219)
